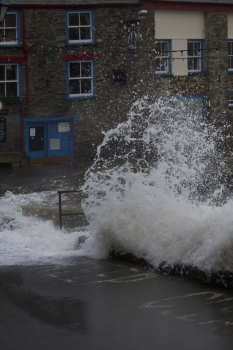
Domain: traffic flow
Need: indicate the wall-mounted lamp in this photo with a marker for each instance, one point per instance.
(3, 9)
(142, 14)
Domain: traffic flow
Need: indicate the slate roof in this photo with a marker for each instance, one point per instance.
(111, 2)
(225, 2)
(71, 2)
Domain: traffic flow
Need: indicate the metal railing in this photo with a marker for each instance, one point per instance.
(61, 214)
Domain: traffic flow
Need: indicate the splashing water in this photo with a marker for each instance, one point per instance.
(27, 239)
(157, 189)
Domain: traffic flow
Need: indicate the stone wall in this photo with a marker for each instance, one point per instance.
(47, 75)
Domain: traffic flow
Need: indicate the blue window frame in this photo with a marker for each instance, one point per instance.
(195, 56)
(230, 101)
(10, 82)
(230, 55)
(80, 27)
(80, 79)
(163, 56)
(10, 29)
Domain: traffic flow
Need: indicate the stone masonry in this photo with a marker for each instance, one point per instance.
(46, 40)
(47, 74)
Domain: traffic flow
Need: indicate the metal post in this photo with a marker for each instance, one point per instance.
(60, 215)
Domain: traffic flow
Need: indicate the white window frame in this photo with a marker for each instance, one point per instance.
(230, 101)
(198, 57)
(79, 27)
(230, 55)
(6, 81)
(163, 55)
(79, 79)
(15, 40)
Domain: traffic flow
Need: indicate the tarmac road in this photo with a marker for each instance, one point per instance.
(109, 304)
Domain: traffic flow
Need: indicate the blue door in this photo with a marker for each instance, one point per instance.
(36, 140)
(60, 139)
(52, 138)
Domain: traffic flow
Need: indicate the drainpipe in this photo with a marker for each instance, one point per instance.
(25, 50)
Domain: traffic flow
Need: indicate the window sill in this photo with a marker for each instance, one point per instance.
(165, 74)
(70, 98)
(195, 73)
(10, 100)
(77, 43)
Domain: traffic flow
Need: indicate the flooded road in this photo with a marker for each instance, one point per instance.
(51, 299)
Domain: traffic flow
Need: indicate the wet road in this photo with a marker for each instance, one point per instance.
(92, 304)
(42, 178)
(103, 304)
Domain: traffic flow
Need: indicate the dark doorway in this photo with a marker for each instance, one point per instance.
(36, 138)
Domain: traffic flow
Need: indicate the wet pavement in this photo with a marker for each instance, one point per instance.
(106, 304)
(103, 304)
(42, 178)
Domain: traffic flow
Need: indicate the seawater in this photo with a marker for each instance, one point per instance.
(163, 193)
(27, 238)
(158, 188)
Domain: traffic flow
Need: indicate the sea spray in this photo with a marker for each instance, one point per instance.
(157, 189)
(28, 239)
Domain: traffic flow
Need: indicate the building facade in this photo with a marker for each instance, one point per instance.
(70, 70)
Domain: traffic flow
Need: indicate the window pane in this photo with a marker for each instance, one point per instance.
(231, 62)
(161, 65)
(161, 48)
(74, 70)
(2, 89)
(74, 33)
(230, 54)
(162, 56)
(190, 64)
(2, 72)
(190, 49)
(86, 69)
(157, 48)
(11, 72)
(86, 86)
(229, 48)
(74, 19)
(10, 35)
(85, 33)
(196, 64)
(11, 89)
(85, 19)
(10, 20)
(2, 35)
(164, 48)
(196, 49)
(74, 86)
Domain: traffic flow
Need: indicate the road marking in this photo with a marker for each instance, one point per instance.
(214, 296)
(126, 279)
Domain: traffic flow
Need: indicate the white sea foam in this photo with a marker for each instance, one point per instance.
(27, 239)
(161, 194)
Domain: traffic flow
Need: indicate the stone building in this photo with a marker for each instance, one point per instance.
(70, 70)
